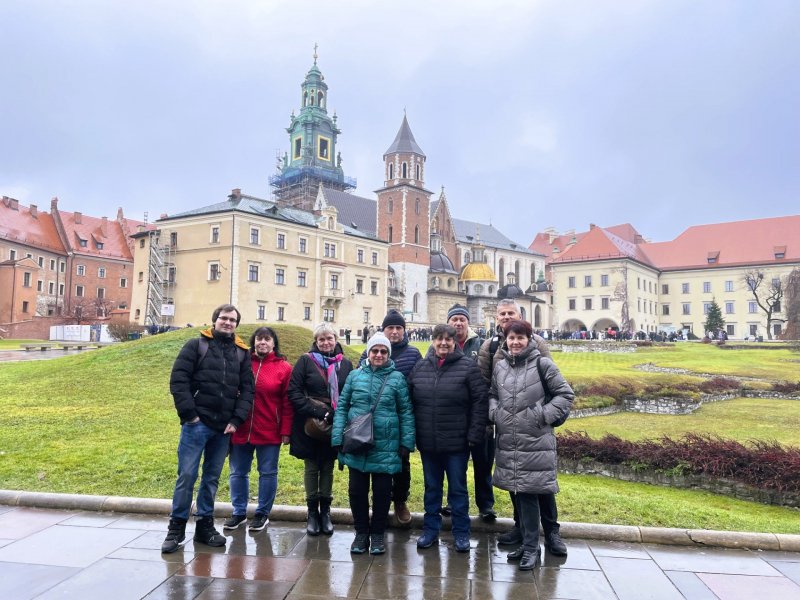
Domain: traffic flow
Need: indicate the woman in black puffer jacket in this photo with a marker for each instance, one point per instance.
(450, 402)
(318, 374)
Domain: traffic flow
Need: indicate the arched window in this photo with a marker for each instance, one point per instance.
(533, 273)
(416, 234)
(415, 303)
(491, 290)
(522, 313)
(416, 206)
(516, 272)
(305, 98)
(320, 99)
(390, 234)
(391, 205)
(501, 271)
(435, 226)
(405, 171)
(391, 170)
(537, 317)
(450, 282)
(417, 172)
(467, 258)
(478, 288)
(311, 98)
(330, 222)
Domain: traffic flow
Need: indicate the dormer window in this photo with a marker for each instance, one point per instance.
(83, 243)
(780, 252)
(713, 257)
(99, 245)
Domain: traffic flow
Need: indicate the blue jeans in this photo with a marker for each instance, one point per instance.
(435, 465)
(198, 441)
(240, 462)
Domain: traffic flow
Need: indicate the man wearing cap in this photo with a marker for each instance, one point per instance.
(482, 454)
(405, 356)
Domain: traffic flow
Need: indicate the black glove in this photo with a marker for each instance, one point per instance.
(328, 417)
(403, 451)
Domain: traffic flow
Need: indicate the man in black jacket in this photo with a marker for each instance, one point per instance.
(212, 385)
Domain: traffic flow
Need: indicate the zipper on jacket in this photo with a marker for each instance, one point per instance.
(253, 410)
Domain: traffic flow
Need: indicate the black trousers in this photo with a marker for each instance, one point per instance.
(401, 482)
(358, 489)
(548, 512)
(482, 462)
(528, 509)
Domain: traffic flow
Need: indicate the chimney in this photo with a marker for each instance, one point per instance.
(592, 226)
(54, 204)
(11, 203)
(140, 228)
(104, 226)
(638, 239)
(34, 211)
(120, 216)
(236, 193)
(77, 218)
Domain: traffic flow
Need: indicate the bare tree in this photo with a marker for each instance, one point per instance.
(767, 294)
(792, 292)
(621, 295)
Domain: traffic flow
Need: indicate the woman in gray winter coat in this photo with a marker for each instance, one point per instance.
(525, 459)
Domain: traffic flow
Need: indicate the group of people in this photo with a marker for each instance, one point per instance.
(496, 401)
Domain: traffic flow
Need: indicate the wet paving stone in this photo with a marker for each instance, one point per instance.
(66, 546)
(5, 542)
(748, 587)
(21, 582)
(149, 523)
(637, 579)
(387, 586)
(21, 522)
(109, 578)
(326, 578)
(269, 542)
(441, 561)
(502, 590)
(257, 568)
(572, 583)
(335, 548)
(180, 588)
(710, 560)
(92, 519)
(690, 585)
(231, 589)
(789, 569)
(617, 549)
(153, 555)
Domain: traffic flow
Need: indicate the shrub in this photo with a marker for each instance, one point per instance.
(761, 464)
(120, 330)
(718, 385)
(786, 387)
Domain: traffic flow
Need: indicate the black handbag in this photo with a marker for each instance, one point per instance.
(547, 395)
(358, 436)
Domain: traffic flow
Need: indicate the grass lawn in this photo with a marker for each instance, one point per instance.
(103, 422)
(16, 344)
(741, 419)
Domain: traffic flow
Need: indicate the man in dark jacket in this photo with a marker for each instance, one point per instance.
(450, 400)
(405, 356)
(482, 454)
(212, 385)
(489, 354)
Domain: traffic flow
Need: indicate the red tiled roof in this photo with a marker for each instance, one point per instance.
(601, 244)
(114, 240)
(543, 244)
(19, 225)
(729, 244)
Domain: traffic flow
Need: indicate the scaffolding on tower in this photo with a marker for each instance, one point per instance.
(160, 310)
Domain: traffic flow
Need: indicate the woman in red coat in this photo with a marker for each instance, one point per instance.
(267, 427)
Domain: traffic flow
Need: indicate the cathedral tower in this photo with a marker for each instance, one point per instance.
(312, 158)
(403, 219)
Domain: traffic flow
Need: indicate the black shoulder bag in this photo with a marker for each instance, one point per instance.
(358, 436)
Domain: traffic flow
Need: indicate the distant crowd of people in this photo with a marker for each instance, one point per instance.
(494, 401)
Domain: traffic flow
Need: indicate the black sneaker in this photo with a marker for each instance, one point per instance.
(205, 533)
(489, 516)
(377, 546)
(555, 545)
(234, 522)
(259, 522)
(510, 538)
(361, 544)
(176, 536)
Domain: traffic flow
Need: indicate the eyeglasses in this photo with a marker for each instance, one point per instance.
(379, 351)
(229, 319)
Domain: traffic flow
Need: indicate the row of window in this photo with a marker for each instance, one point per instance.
(328, 314)
(12, 255)
(417, 206)
(587, 281)
(404, 173)
(254, 275)
(728, 308)
(588, 303)
(80, 270)
(80, 292)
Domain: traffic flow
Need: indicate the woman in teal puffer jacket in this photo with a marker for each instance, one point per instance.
(393, 427)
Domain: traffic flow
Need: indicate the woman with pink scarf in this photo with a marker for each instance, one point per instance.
(317, 380)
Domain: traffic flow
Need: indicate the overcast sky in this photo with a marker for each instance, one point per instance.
(532, 114)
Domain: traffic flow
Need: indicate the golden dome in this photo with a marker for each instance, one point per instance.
(477, 271)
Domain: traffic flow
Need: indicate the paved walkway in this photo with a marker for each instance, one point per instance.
(48, 553)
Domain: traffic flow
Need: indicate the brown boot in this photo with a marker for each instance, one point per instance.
(402, 513)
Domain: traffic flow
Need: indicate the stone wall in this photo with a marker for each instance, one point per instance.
(35, 329)
(725, 487)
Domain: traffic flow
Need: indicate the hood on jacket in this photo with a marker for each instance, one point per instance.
(454, 355)
(209, 333)
(531, 351)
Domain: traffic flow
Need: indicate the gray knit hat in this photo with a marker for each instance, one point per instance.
(379, 340)
(458, 309)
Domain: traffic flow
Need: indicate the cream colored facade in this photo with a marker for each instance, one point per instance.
(271, 269)
(659, 301)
